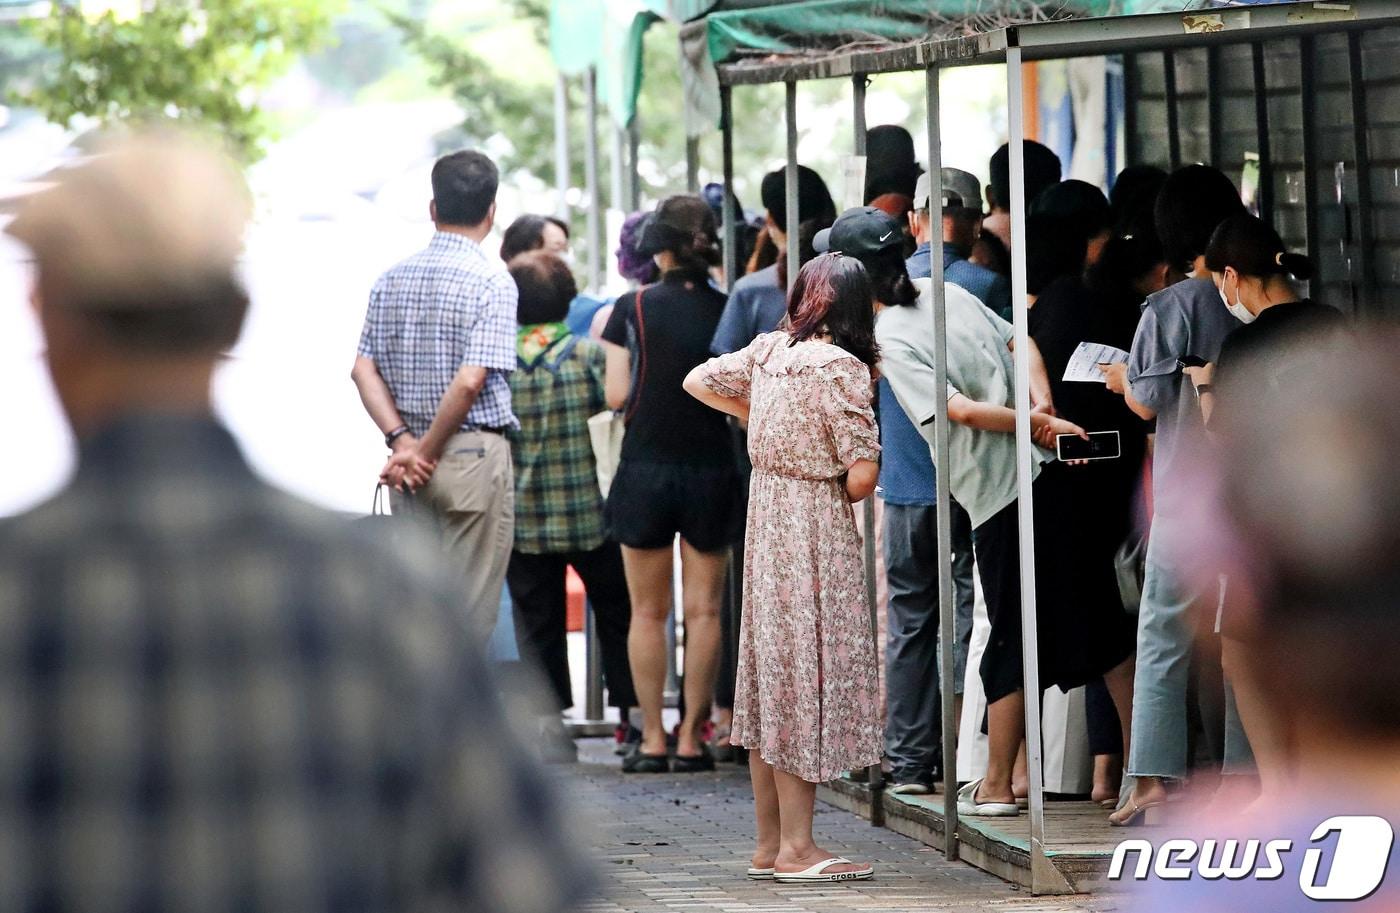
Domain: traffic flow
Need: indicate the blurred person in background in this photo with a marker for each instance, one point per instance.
(216, 696)
(556, 387)
(1083, 210)
(962, 223)
(1299, 504)
(531, 232)
(676, 477)
(891, 165)
(746, 230)
(550, 234)
(1134, 189)
(1255, 274)
(765, 252)
(758, 302)
(808, 695)
(1042, 170)
(439, 387)
(1185, 319)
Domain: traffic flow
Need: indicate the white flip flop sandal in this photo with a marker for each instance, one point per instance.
(760, 874)
(968, 804)
(819, 873)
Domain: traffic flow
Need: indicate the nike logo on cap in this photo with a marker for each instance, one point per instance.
(886, 237)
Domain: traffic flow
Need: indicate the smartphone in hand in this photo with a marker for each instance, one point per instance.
(1101, 445)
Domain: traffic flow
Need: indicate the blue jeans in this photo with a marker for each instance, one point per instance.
(913, 725)
(1166, 628)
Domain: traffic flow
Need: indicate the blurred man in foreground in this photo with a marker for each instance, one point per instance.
(1305, 525)
(214, 697)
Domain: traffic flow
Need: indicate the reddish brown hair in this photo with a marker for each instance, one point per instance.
(833, 295)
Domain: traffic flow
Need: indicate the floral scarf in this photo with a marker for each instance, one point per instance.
(535, 339)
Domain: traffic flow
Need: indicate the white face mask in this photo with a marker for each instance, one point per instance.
(1237, 310)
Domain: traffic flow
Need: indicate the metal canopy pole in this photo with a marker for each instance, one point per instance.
(1173, 115)
(1308, 95)
(590, 163)
(1215, 106)
(859, 83)
(692, 164)
(794, 260)
(1045, 878)
(874, 774)
(726, 126)
(1261, 124)
(1132, 147)
(617, 167)
(944, 520)
(634, 175)
(561, 147)
(1364, 276)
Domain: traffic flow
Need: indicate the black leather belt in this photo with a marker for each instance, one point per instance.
(501, 431)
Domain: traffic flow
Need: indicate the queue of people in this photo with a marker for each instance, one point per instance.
(753, 422)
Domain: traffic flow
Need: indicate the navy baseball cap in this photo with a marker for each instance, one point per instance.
(860, 231)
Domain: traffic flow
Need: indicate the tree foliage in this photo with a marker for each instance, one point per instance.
(495, 105)
(198, 62)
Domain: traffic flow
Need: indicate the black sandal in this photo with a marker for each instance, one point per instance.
(639, 763)
(694, 764)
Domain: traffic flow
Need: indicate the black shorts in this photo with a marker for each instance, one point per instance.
(650, 503)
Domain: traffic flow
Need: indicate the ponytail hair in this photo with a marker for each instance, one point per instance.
(1252, 247)
(889, 277)
(684, 225)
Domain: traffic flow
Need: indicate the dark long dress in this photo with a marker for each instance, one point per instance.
(1092, 505)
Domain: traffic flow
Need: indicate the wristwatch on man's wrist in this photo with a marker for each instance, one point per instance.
(1203, 389)
(395, 435)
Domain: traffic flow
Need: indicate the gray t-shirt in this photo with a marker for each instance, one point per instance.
(982, 464)
(1187, 318)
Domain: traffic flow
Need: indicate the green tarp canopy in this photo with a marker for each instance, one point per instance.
(607, 35)
(831, 24)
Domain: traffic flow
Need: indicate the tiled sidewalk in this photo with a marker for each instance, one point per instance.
(682, 842)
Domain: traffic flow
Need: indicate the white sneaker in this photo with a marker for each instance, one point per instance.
(968, 804)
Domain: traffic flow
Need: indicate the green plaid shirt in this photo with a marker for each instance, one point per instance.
(558, 507)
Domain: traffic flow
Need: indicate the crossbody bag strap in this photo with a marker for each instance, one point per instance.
(641, 355)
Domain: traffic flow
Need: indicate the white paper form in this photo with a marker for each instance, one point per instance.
(1084, 363)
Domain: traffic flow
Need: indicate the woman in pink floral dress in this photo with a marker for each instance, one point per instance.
(807, 698)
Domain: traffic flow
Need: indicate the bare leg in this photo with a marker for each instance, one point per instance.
(1119, 681)
(798, 851)
(1266, 737)
(1108, 769)
(765, 807)
(1006, 728)
(702, 590)
(649, 585)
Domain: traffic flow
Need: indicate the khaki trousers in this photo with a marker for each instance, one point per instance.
(470, 500)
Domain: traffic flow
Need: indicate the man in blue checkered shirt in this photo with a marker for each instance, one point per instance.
(213, 696)
(437, 346)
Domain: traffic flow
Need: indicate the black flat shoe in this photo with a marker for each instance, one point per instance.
(694, 764)
(639, 763)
